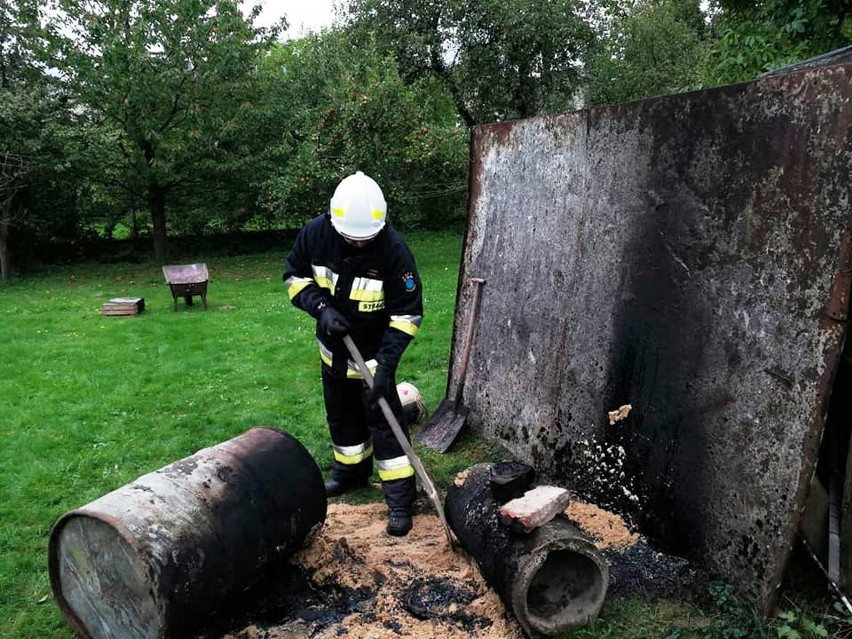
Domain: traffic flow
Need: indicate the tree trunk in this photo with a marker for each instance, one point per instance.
(134, 231)
(439, 68)
(157, 209)
(5, 220)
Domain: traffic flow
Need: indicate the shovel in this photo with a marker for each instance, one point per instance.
(401, 438)
(444, 426)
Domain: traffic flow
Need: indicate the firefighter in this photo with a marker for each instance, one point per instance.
(352, 272)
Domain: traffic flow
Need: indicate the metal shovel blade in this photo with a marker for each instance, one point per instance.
(444, 426)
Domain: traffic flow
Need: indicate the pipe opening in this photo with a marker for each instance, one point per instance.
(565, 591)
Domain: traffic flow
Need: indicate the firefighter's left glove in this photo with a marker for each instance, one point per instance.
(382, 385)
(332, 322)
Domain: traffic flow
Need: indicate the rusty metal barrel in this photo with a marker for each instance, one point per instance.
(154, 558)
(552, 579)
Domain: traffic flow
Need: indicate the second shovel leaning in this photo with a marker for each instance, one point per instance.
(444, 426)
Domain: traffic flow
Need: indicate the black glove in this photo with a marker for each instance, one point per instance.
(332, 322)
(382, 385)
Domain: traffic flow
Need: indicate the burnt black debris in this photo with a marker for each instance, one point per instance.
(443, 599)
(430, 598)
(290, 599)
(510, 480)
(640, 571)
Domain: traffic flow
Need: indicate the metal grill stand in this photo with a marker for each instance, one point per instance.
(186, 280)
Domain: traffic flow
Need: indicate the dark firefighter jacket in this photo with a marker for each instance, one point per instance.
(377, 288)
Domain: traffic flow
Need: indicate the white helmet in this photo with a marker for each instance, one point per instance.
(358, 207)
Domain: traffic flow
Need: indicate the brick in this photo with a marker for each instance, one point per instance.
(536, 507)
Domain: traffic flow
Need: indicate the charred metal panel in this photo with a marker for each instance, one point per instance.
(688, 255)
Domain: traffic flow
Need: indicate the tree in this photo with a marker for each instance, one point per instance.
(12, 163)
(497, 58)
(18, 22)
(646, 48)
(338, 105)
(755, 37)
(173, 78)
(48, 169)
(28, 112)
(13, 168)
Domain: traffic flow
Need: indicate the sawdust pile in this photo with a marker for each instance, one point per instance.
(606, 529)
(356, 581)
(413, 586)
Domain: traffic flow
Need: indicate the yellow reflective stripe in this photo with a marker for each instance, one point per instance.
(295, 285)
(406, 323)
(378, 214)
(351, 455)
(352, 371)
(325, 354)
(338, 212)
(365, 289)
(367, 296)
(396, 468)
(325, 277)
(406, 327)
(396, 473)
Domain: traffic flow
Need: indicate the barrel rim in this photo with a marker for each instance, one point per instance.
(274, 429)
(53, 562)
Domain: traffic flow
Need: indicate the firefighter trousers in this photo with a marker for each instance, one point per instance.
(359, 432)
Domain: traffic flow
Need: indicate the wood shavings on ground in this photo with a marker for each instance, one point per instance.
(368, 585)
(619, 414)
(355, 581)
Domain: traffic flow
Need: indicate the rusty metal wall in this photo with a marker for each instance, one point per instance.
(688, 255)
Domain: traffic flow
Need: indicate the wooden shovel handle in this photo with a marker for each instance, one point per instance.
(431, 491)
(478, 283)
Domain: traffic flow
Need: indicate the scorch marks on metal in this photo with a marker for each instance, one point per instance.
(688, 255)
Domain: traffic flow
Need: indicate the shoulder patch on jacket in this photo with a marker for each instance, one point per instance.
(408, 282)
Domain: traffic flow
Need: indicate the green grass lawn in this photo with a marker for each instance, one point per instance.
(88, 404)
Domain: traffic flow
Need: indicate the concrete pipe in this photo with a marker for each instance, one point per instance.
(155, 557)
(552, 579)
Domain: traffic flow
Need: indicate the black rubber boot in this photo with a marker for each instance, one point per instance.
(399, 522)
(335, 487)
